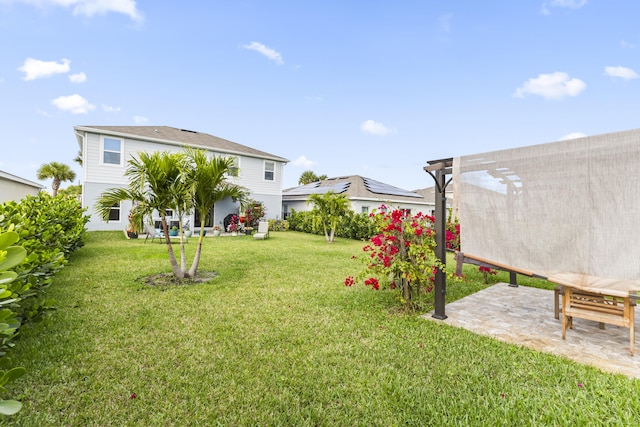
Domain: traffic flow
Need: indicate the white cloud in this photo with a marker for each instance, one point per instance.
(90, 7)
(621, 72)
(140, 120)
(110, 109)
(374, 128)
(626, 44)
(551, 86)
(75, 104)
(571, 4)
(445, 22)
(78, 78)
(36, 69)
(572, 135)
(303, 162)
(266, 51)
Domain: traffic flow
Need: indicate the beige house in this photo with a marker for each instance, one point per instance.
(15, 188)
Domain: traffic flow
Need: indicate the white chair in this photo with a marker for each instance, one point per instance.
(152, 232)
(263, 230)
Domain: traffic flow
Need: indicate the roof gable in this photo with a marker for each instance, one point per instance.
(175, 136)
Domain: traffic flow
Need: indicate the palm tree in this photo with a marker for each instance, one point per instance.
(59, 172)
(309, 176)
(177, 181)
(207, 177)
(328, 210)
(155, 184)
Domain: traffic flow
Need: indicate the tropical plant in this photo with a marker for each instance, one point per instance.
(71, 191)
(253, 213)
(155, 185)
(309, 176)
(59, 172)
(328, 210)
(401, 256)
(177, 181)
(208, 186)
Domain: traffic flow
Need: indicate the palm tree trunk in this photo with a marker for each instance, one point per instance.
(196, 257)
(172, 256)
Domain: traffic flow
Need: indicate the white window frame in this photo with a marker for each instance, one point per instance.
(116, 208)
(102, 151)
(236, 167)
(264, 174)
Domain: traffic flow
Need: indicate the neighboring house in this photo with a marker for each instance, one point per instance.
(106, 150)
(429, 195)
(15, 188)
(365, 194)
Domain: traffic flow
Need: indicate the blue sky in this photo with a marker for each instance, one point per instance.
(374, 88)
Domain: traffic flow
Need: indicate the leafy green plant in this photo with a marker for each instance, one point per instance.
(10, 256)
(328, 210)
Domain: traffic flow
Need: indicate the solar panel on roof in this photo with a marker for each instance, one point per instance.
(382, 188)
(315, 188)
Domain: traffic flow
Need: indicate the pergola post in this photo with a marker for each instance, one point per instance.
(439, 169)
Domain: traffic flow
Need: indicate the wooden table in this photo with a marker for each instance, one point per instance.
(599, 299)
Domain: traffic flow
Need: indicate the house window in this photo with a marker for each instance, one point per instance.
(114, 213)
(111, 151)
(234, 170)
(168, 213)
(364, 209)
(269, 171)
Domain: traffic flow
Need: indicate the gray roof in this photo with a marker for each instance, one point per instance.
(355, 187)
(175, 136)
(10, 177)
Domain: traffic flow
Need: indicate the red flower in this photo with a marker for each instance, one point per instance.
(349, 281)
(373, 282)
(133, 395)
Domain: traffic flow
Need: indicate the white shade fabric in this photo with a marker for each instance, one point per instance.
(564, 207)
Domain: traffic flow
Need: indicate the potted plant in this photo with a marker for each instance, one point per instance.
(173, 231)
(233, 226)
(217, 230)
(186, 229)
(133, 227)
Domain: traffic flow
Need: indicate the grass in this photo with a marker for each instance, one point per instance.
(277, 339)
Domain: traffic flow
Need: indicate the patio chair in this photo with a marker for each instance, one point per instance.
(263, 230)
(152, 232)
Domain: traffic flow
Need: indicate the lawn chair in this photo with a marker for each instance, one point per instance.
(152, 232)
(263, 230)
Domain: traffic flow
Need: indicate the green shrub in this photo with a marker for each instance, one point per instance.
(278, 225)
(46, 230)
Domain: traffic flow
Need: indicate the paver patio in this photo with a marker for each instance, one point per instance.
(524, 316)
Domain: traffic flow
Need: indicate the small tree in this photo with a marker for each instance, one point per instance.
(328, 210)
(59, 172)
(401, 256)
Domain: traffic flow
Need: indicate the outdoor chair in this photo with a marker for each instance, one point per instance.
(152, 232)
(263, 230)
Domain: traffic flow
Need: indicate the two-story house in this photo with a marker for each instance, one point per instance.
(106, 150)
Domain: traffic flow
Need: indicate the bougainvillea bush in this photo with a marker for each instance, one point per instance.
(400, 257)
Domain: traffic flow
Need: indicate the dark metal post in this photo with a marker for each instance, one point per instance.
(438, 169)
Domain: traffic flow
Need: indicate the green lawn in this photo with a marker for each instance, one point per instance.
(277, 339)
